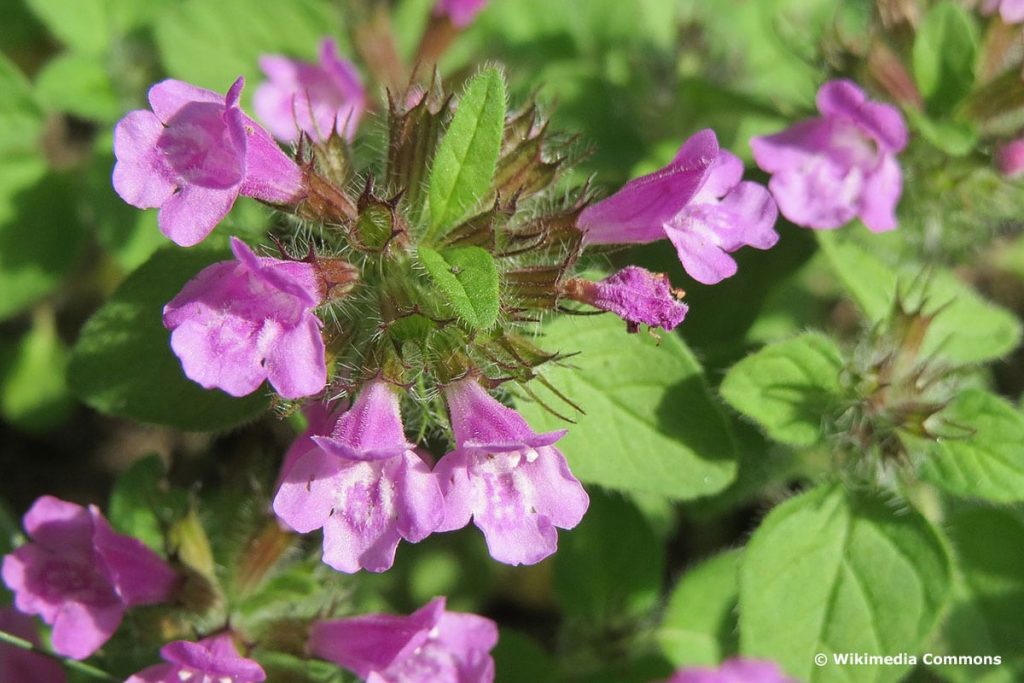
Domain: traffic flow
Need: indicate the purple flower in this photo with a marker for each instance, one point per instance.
(240, 322)
(1010, 158)
(513, 483)
(23, 666)
(212, 659)
(428, 646)
(838, 166)
(193, 155)
(634, 294)
(364, 485)
(733, 671)
(80, 576)
(1012, 11)
(315, 98)
(698, 201)
(460, 12)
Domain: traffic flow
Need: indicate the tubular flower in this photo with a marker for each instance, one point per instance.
(1011, 11)
(839, 166)
(24, 666)
(428, 646)
(240, 322)
(80, 576)
(193, 155)
(364, 485)
(212, 659)
(460, 12)
(512, 482)
(313, 98)
(733, 671)
(699, 202)
(634, 294)
(1010, 158)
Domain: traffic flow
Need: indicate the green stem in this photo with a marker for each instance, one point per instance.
(86, 669)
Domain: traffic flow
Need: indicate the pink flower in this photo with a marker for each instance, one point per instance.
(1010, 158)
(364, 485)
(315, 98)
(240, 322)
(634, 294)
(838, 166)
(212, 659)
(23, 666)
(733, 671)
(1012, 11)
(513, 483)
(193, 155)
(460, 12)
(80, 576)
(699, 202)
(428, 646)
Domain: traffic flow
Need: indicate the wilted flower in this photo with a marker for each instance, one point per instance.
(24, 666)
(211, 660)
(698, 201)
(364, 485)
(1011, 11)
(460, 12)
(838, 166)
(512, 482)
(240, 322)
(80, 576)
(193, 155)
(428, 646)
(315, 98)
(634, 294)
(733, 671)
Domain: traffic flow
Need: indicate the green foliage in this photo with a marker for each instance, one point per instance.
(467, 278)
(211, 43)
(699, 627)
(787, 387)
(608, 569)
(944, 55)
(123, 365)
(649, 423)
(518, 659)
(968, 329)
(80, 85)
(141, 505)
(33, 393)
(980, 450)
(841, 571)
(463, 166)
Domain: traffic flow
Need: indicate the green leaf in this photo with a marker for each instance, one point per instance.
(518, 659)
(211, 43)
(984, 455)
(969, 329)
(461, 173)
(122, 364)
(81, 24)
(81, 85)
(787, 387)
(609, 568)
(952, 137)
(650, 424)
(137, 502)
(984, 618)
(33, 393)
(944, 54)
(834, 571)
(21, 117)
(468, 280)
(699, 627)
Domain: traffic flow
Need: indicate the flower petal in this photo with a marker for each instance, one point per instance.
(190, 215)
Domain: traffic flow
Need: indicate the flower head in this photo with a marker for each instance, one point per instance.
(1010, 158)
(460, 12)
(192, 155)
(428, 646)
(313, 98)
(512, 482)
(733, 671)
(364, 485)
(838, 166)
(80, 576)
(699, 202)
(240, 322)
(1011, 11)
(634, 294)
(24, 666)
(212, 659)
